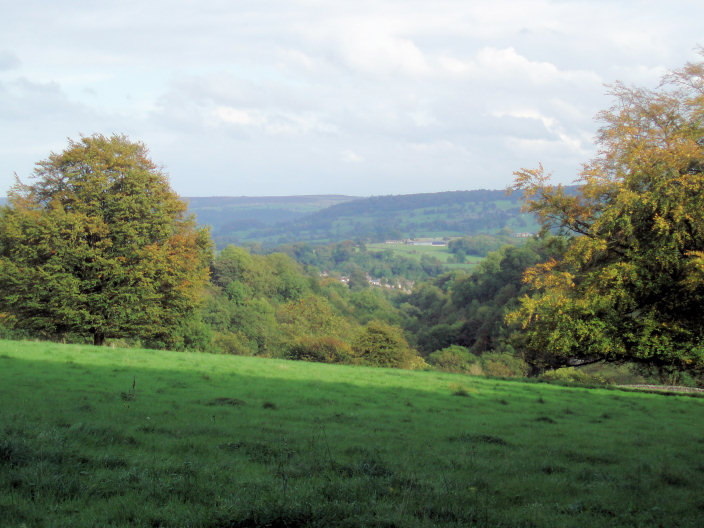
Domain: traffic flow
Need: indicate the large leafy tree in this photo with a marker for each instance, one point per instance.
(100, 245)
(630, 286)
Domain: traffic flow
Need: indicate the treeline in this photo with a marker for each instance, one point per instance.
(457, 321)
(372, 219)
(272, 306)
(357, 262)
(354, 259)
(244, 215)
(469, 309)
(266, 305)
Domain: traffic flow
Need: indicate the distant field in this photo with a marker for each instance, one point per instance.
(101, 437)
(416, 252)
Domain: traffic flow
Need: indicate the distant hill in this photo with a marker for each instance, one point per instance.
(376, 218)
(231, 216)
(275, 220)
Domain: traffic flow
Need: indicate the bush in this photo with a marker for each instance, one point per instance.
(457, 359)
(324, 349)
(233, 343)
(503, 364)
(572, 375)
(7, 332)
(383, 345)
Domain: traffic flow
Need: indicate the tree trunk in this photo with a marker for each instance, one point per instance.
(98, 339)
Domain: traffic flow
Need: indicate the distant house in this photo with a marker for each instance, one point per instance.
(427, 242)
(523, 235)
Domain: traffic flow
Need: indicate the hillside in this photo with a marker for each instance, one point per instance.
(371, 219)
(229, 215)
(275, 220)
(97, 436)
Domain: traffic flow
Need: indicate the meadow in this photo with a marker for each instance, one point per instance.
(124, 437)
(442, 253)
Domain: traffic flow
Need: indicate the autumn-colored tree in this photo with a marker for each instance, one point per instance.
(630, 286)
(100, 245)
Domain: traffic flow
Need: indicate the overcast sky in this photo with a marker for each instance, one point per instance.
(269, 97)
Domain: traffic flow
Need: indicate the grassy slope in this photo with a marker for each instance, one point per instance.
(442, 253)
(228, 441)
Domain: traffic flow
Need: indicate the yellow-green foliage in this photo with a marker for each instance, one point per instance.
(504, 364)
(571, 374)
(383, 345)
(629, 286)
(233, 343)
(326, 349)
(460, 360)
(100, 246)
(457, 359)
(264, 305)
(311, 316)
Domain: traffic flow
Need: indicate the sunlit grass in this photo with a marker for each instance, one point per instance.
(442, 253)
(93, 437)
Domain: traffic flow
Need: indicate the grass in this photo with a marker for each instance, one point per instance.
(416, 252)
(101, 437)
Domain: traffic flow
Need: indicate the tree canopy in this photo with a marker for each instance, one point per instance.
(100, 245)
(630, 286)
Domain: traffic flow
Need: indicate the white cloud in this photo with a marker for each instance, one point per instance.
(272, 122)
(508, 64)
(246, 97)
(453, 65)
(349, 156)
(235, 116)
(527, 113)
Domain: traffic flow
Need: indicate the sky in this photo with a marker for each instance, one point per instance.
(297, 97)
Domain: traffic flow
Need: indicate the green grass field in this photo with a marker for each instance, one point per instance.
(102, 437)
(416, 252)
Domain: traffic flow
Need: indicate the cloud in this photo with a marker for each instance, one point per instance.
(370, 49)
(22, 99)
(303, 96)
(349, 156)
(236, 116)
(8, 61)
(506, 64)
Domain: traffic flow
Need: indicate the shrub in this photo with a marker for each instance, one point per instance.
(572, 375)
(457, 359)
(324, 349)
(8, 331)
(383, 345)
(233, 343)
(504, 364)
